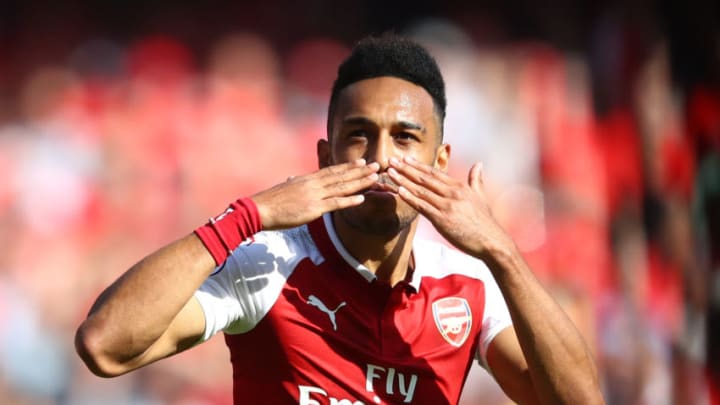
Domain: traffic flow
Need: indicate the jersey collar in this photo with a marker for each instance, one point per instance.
(340, 249)
(327, 240)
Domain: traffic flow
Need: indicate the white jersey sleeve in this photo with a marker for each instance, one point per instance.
(496, 316)
(242, 291)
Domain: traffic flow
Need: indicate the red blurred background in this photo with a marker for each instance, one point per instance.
(125, 125)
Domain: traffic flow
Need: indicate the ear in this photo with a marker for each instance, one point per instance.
(323, 153)
(442, 157)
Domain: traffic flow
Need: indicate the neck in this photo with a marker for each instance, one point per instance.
(388, 257)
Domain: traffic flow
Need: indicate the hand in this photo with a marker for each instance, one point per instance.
(457, 209)
(302, 199)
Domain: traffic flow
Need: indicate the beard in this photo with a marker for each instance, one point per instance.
(386, 219)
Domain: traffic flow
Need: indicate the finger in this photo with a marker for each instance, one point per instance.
(341, 168)
(419, 191)
(338, 203)
(348, 171)
(344, 188)
(421, 174)
(425, 168)
(420, 205)
(475, 177)
(338, 169)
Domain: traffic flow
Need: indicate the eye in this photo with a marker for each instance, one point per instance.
(405, 137)
(358, 133)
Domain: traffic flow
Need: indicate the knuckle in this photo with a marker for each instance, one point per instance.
(334, 169)
(336, 204)
(455, 194)
(342, 186)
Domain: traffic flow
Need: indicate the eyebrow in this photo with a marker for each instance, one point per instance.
(402, 124)
(411, 125)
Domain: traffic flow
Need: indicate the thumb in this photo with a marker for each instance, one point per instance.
(475, 177)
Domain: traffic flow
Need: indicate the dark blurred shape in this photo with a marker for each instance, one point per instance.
(159, 59)
(98, 59)
(704, 118)
(312, 66)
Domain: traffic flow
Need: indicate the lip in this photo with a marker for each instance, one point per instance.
(375, 192)
(381, 197)
(383, 188)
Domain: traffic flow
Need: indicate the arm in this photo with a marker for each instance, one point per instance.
(559, 362)
(149, 313)
(549, 357)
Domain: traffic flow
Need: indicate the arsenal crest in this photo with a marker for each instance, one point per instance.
(453, 319)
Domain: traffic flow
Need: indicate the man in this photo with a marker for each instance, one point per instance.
(322, 290)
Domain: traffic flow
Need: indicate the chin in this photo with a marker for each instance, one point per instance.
(376, 222)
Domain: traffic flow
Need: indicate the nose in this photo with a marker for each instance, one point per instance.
(381, 150)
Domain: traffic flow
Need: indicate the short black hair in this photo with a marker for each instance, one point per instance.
(391, 55)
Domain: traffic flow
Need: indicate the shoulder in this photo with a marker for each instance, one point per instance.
(281, 249)
(438, 260)
(242, 291)
(285, 241)
(269, 257)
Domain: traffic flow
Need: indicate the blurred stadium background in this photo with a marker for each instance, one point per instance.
(125, 124)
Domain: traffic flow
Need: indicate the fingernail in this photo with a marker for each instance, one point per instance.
(360, 161)
(394, 161)
(409, 159)
(392, 171)
(374, 176)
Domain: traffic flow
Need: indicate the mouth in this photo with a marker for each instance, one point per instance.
(383, 186)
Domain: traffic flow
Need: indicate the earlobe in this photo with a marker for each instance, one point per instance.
(442, 157)
(323, 153)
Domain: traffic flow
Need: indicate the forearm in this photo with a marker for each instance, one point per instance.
(137, 309)
(560, 365)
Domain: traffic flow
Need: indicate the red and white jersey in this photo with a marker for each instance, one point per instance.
(306, 323)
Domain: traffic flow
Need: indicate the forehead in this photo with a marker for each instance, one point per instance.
(385, 100)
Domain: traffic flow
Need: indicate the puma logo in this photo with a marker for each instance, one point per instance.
(315, 301)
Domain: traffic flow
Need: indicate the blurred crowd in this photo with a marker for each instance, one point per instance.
(125, 147)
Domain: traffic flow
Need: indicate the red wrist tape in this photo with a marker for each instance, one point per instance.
(222, 234)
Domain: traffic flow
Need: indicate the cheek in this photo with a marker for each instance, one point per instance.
(345, 153)
(422, 154)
